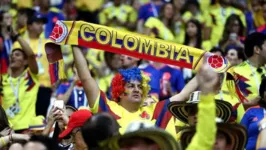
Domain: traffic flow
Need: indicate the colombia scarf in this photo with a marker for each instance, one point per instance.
(127, 43)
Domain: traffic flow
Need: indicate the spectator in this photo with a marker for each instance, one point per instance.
(119, 16)
(127, 96)
(219, 14)
(262, 28)
(253, 116)
(233, 32)
(36, 42)
(76, 121)
(52, 14)
(22, 18)
(129, 62)
(98, 128)
(254, 16)
(20, 86)
(72, 93)
(179, 23)
(41, 143)
(146, 11)
(7, 41)
(163, 26)
(250, 71)
(235, 55)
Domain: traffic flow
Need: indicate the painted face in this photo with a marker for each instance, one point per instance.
(136, 143)
(128, 61)
(168, 11)
(232, 56)
(17, 59)
(133, 92)
(191, 29)
(221, 142)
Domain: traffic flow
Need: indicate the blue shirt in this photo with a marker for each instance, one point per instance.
(77, 98)
(52, 16)
(250, 120)
(155, 79)
(148, 10)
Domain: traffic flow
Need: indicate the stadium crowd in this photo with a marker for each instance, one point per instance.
(113, 101)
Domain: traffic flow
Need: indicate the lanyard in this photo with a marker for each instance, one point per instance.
(15, 90)
(8, 46)
(154, 10)
(76, 98)
(254, 72)
(39, 53)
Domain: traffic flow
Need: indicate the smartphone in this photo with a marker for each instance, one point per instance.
(59, 104)
(233, 36)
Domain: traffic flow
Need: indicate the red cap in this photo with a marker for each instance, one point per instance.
(77, 119)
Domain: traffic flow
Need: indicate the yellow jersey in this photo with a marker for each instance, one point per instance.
(157, 113)
(124, 13)
(159, 29)
(20, 108)
(37, 46)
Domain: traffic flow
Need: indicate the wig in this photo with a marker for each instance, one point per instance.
(120, 79)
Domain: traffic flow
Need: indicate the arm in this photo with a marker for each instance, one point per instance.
(7, 139)
(89, 84)
(65, 97)
(262, 136)
(32, 63)
(205, 136)
(191, 86)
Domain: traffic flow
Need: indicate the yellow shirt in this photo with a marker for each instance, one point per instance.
(249, 79)
(23, 3)
(37, 46)
(226, 96)
(124, 13)
(28, 88)
(202, 18)
(156, 113)
(89, 5)
(159, 29)
(219, 16)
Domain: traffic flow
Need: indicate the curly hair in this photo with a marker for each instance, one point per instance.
(119, 81)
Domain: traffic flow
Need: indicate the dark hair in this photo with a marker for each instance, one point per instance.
(108, 56)
(217, 49)
(253, 40)
(239, 50)
(98, 128)
(23, 53)
(49, 143)
(171, 22)
(262, 101)
(26, 11)
(1, 17)
(3, 119)
(199, 33)
(192, 2)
